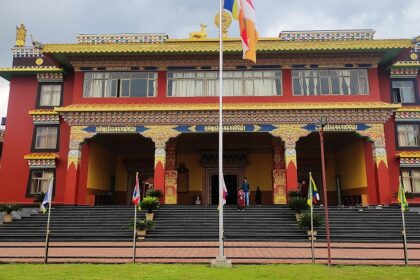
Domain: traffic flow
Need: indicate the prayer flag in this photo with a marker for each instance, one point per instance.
(313, 195)
(47, 197)
(244, 12)
(401, 197)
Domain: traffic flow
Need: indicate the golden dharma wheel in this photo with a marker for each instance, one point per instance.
(226, 22)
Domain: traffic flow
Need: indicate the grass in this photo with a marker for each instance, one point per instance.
(204, 272)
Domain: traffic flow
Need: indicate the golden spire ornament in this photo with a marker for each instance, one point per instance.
(226, 22)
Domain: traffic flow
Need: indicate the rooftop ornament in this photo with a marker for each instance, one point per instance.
(20, 35)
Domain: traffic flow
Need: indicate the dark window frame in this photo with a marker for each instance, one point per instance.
(415, 194)
(38, 96)
(28, 185)
(397, 144)
(56, 149)
(416, 92)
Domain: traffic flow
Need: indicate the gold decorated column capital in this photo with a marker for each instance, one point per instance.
(290, 134)
(160, 135)
(77, 136)
(376, 134)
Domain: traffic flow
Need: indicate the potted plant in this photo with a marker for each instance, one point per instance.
(39, 198)
(9, 208)
(142, 226)
(293, 194)
(150, 203)
(154, 193)
(305, 222)
(298, 204)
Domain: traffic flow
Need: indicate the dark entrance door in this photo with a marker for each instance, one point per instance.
(231, 182)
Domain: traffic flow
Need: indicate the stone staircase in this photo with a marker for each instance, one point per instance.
(200, 223)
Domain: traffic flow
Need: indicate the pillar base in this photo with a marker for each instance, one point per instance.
(221, 262)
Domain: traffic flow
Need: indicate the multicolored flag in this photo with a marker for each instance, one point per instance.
(136, 193)
(244, 12)
(401, 197)
(313, 195)
(47, 197)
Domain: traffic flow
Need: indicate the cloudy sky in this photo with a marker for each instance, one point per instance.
(59, 21)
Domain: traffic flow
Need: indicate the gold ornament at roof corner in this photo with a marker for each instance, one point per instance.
(414, 56)
(202, 34)
(226, 22)
(20, 35)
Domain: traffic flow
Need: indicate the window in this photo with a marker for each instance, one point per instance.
(46, 138)
(120, 84)
(411, 180)
(408, 135)
(235, 83)
(403, 92)
(39, 181)
(330, 82)
(49, 95)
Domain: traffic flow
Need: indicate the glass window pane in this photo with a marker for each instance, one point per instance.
(125, 88)
(138, 88)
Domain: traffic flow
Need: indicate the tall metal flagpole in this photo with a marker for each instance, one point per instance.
(221, 259)
(221, 231)
(134, 233)
(311, 193)
(404, 233)
(47, 235)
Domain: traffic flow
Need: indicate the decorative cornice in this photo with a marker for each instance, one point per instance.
(406, 64)
(41, 160)
(230, 45)
(231, 117)
(45, 116)
(409, 154)
(409, 159)
(41, 156)
(226, 106)
(408, 114)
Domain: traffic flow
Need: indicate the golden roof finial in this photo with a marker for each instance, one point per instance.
(226, 22)
(20, 35)
(199, 34)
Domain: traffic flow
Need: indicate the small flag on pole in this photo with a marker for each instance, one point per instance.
(47, 197)
(225, 192)
(136, 193)
(401, 197)
(244, 12)
(313, 195)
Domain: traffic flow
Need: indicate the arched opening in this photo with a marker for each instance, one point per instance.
(113, 162)
(348, 163)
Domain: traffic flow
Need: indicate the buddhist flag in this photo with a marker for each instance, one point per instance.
(244, 12)
(313, 195)
(401, 197)
(47, 197)
(136, 193)
(225, 193)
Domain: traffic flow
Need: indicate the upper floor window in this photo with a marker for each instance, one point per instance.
(120, 84)
(330, 82)
(46, 138)
(411, 180)
(235, 83)
(49, 95)
(408, 135)
(403, 92)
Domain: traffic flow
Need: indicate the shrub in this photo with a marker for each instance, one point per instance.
(9, 208)
(143, 224)
(298, 204)
(154, 193)
(293, 194)
(150, 203)
(305, 222)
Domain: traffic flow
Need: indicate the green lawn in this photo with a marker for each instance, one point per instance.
(204, 272)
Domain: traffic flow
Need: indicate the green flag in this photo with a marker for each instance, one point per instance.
(401, 197)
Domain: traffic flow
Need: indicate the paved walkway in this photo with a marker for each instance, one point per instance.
(204, 252)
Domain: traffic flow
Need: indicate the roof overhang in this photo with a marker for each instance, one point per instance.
(7, 73)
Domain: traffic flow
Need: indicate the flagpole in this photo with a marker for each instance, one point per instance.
(404, 233)
(221, 231)
(135, 223)
(134, 233)
(312, 218)
(47, 235)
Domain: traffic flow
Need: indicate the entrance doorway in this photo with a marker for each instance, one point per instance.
(231, 182)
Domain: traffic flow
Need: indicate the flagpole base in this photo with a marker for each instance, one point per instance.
(221, 262)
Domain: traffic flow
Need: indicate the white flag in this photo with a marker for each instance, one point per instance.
(225, 193)
(48, 196)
